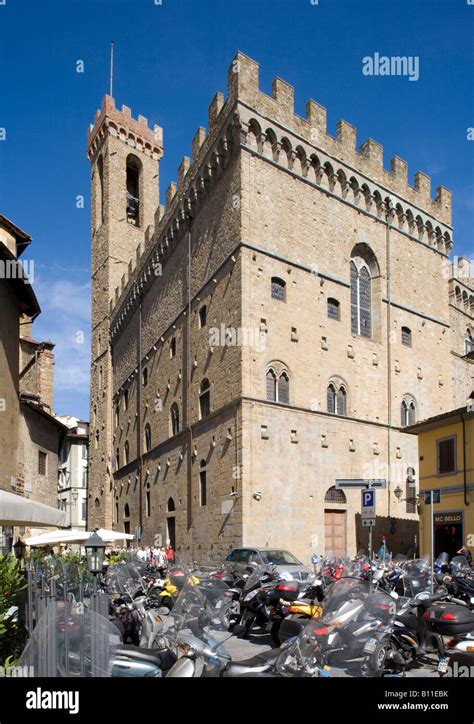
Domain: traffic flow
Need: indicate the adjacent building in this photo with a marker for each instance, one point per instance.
(73, 469)
(446, 450)
(273, 328)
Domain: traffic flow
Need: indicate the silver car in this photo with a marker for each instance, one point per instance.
(244, 560)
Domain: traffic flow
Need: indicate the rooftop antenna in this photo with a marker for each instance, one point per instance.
(111, 69)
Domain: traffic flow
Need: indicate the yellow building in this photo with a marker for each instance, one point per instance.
(446, 454)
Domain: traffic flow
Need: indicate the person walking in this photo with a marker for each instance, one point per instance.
(170, 555)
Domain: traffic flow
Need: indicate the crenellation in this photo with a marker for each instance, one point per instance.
(347, 136)
(242, 79)
(127, 111)
(423, 185)
(316, 116)
(198, 140)
(444, 199)
(284, 94)
(170, 194)
(372, 151)
(183, 169)
(214, 109)
(143, 121)
(399, 169)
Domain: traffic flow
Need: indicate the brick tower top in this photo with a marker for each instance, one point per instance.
(135, 133)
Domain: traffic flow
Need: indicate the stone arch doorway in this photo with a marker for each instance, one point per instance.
(335, 513)
(171, 524)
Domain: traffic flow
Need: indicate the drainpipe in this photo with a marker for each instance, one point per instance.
(389, 354)
(139, 416)
(466, 502)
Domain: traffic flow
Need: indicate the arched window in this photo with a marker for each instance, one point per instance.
(341, 401)
(408, 412)
(204, 399)
(361, 298)
(202, 316)
(278, 289)
(147, 437)
(97, 503)
(174, 419)
(126, 511)
(334, 309)
(284, 389)
(171, 507)
(331, 399)
(333, 495)
(271, 386)
(126, 453)
(202, 483)
(145, 376)
(468, 342)
(406, 336)
(134, 166)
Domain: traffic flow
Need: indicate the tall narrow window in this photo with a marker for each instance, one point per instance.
(117, 415)
(407, 412)
(334, 309)
(202, 316)
(100, 200)
(126, 453)
(468, 342)
(283, 389)
(331, 399)
(42, 462)
(133, 190)
(173, 347)
(174, 419)
(204, 399)
(145, 376)
(341, 401)
(202, 483)
(271, 386)
(148, 503)
(147, 438)
(125, 399)
(446, 455)
(406, 336)
(278, 289)
(361, 299)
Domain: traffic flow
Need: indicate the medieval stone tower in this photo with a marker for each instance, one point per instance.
(124, 155)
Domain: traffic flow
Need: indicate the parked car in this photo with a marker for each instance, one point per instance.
(244, 560)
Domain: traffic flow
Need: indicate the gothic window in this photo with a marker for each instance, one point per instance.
(278, 289)
(334, 309)
(174, 419)
(202, 483)
(204, 399)
(133, 190)
(271, 386)
(171, 507)
(406, 336)
(361, 298)
(331, 399)
(147, 438)
(341, 401)
(408, 412)
(468, 342)
(97, 503)
(284, 389)
(202, 316)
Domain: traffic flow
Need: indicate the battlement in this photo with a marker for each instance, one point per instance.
(243, 86)
(136, 133)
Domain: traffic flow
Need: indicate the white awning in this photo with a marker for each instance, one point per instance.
(75, 536)
(16, 510)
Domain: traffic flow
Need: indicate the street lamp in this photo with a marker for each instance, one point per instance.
(95, 549)
(19, 549)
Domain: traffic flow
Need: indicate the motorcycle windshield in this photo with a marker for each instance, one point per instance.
(416, 577)
(124, 579)
(256, 577)
(196, 624)
(459, 564)
(348, 640)
(71, 641)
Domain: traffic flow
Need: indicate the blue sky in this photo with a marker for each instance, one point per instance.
(170, 59)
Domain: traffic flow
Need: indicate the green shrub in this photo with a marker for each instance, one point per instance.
(12, 583)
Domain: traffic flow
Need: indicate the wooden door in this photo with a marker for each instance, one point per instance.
(335, 532)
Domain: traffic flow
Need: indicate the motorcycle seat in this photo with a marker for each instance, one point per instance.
(256, 665)
(159, 657)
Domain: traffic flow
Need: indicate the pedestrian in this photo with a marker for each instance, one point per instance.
(383, 550)
(170, 555)
(466, 553)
